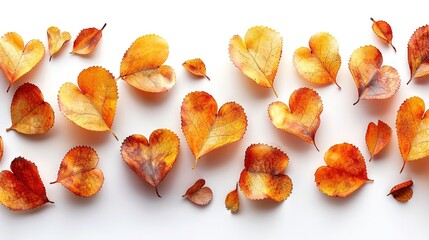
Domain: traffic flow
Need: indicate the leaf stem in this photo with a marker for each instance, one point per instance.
(403, 165)
(103, 27)
(275, 93)
(157, 193)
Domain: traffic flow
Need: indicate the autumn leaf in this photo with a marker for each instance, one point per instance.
(257, 55)
(142, 65)
(196, 66)
(345, 171)
(151, 160)
(262, 176)
(320, 63)
(418, 53)
(232, 201)
(87, 40)
(302, 117)
(403, 191)
(30, 113)
(16, 59)
(92, 105)
(206, 128)
(56, 39)
(199, 194)
(412, 128)
(383, 30)
(377, 137)
(1, 147)
(373, 81)
(21, 188)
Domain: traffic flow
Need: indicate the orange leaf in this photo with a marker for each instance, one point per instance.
(30, 113)
(345, 171)
(262, 176)
(403, 191)
(232, 201)
(412, 128)
(373, 81)
(21, 188)
(93, 106)
(142, 68)
(383, 30)
(205, 128)
(320, 63)
(87, 40)
(303, 117)
(196, 66)
(418, 53)
(79, 173)
(199, 194)
(151, 160)
(377, 137)
(16, 59)
(56, 39)
(257, 55)
(1, 147)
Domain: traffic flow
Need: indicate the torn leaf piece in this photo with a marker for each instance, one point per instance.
(199, 194)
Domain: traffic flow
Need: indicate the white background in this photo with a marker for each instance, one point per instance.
(127, 207)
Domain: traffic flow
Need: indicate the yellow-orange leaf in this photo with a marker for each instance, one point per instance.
(258, 54)
(412, 128)
(30, 113)
(199, 194)
(373, 81)
(320, 63)
(377, 137)
(87, 40)
(403, 191)
(1, 147)
(79, 173)
(302, 117)
(418, 53)
(262, 176)
(196, 66)
(16, 59)
(206, 128)
(21, 188)
(151, 160)
(345, 171)
(56, 39)
(93, 106)
(232, 201)
(142, 67)
(383, 30)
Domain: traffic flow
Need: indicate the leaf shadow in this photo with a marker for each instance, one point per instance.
(35, 137)
(81, 202)
(341, 202)
(139, 185)
(420, 167)
(151, 99)
(289, 140)
(24, 213)
(253, 88)
(31, 77)
(420, 80)
(218, 157)
(264, 205)
(378, 106)
(87, 137)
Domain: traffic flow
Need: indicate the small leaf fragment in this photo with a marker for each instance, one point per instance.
(377, 137)
(199, 194)
(403, 191)
(56, 39)
(383, 30)
(418, 53)
(87, 40)
(196, 66)
(232, 201)
(1, 148)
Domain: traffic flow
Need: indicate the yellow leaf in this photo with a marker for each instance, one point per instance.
(56, 39)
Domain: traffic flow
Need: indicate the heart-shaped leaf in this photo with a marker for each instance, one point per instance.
(79, 173)
(418, 53)
(196, 66)
(151, 160)
(29, 112)
(403, 191)
(16, 59)
(377, 137)
(383, 30)
(302, 117)
(199, 194)
(87, 40)
(56, 39)
(205, 128)
(373, 81)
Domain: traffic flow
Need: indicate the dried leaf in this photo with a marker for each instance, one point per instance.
(232, 202)
(403, 191)
(87, 40)
(262, 176)
(377, 137)
(320, 63)
(56, 39)
(412, 128)
(196, 66)
(373, 81)
(79, 173)
(21, 188)
(16, 59)
(383, 30)
(257, 55)
(151, 160)
(30, 113)
(1, 147)
(93, 106)
(205, 128)
(142, 68)
(418, 53)
(345, 171)
(303, 117)
(199, 194)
